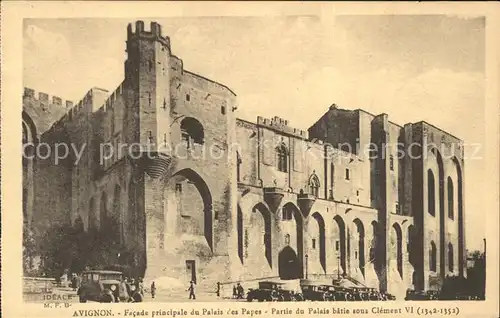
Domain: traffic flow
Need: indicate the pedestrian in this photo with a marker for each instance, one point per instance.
(217, 291)
(235, 292)
(191, 291)
(240, 291)
(153, 290)
(73, 281)
(123, 291)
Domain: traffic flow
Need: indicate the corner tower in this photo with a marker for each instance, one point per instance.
(147, 76)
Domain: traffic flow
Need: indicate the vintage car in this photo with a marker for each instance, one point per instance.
(102, 286)
(342, 294)
(318, 292)
(273, 291)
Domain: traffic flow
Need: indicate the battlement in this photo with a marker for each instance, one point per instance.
(44, 98)
(281, 125)
(154, 33)
(108, 104)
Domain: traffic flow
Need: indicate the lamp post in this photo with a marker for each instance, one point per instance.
(307, 258)
(338, 266)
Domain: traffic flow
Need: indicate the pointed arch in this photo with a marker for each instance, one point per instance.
(314, 185)
(460, 218)
(442, 216)
(360, 237)
(431, 193)
(282, 157)
(321, 239)
(238, 166)
(397, 246)
(299, 226)
(194, 178)
(340, 242)
(451, 195)
(267, 238)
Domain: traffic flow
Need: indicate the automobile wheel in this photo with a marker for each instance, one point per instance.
(107, 298)
(281, 298)
(83, 299)
(137, 298)
(249, 298)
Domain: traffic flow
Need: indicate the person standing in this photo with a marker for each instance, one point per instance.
(217, 291)
(240, 291)
(153, 290)
(191, 291)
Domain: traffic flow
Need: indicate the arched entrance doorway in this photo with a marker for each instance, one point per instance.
(189, 195)
(340, 243)
(289, 264)
(359, 252)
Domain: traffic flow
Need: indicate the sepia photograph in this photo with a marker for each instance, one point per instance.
(242, 158)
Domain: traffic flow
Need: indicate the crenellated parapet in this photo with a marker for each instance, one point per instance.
(281, 125)
(108, 105)
(45, 99)
(154, 33)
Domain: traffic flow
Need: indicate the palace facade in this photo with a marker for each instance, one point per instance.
(210, 197)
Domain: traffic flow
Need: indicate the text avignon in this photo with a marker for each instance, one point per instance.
(93, 313)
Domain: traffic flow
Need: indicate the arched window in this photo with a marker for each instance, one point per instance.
(431, 192)
(282, 153)
(432, 257)
(314, 185)
(450, 257)
(238, 166)
(192, 131)
(287, 213)
(450, 199)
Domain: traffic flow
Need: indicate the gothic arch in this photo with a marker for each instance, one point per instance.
(340, 247)
(321, 239)
(442, 216)
(282, 157)
(313, 185)
(299, 225)
(431, 193)
(266, 215)
(206, 196)
(397, 246)
(451, 197)
(360, 238)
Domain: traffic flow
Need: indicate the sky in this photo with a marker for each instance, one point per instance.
(411, 67)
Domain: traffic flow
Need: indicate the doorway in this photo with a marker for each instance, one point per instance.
(191, 270)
